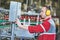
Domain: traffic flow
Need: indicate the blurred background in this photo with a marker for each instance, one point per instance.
(30, 6)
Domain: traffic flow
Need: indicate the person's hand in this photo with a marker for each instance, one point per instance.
(21, 26)
(18, 22)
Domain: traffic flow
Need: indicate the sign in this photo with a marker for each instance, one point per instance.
(15, 10)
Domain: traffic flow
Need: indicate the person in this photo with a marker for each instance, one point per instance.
(46, 30)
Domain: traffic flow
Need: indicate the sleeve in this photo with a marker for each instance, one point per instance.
(39, 28)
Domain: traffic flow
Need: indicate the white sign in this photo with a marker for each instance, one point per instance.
(15, 10)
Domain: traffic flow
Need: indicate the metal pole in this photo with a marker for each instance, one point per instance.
(13, 27)
(27, 2)
(29, 21)
(0, 33)
(24, 21)
(39, 2)
(37, 20)
(31, 1)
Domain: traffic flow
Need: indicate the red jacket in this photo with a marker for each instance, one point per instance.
(38, 28)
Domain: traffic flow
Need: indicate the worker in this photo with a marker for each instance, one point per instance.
(46, 29)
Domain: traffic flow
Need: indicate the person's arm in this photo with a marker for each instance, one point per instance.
(38, 28)
(44, 27)
(21, 26)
